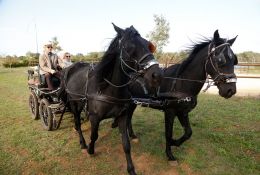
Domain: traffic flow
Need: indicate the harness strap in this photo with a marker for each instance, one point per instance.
(161, 103)
(132, 78)
(108, 99)
(173, 94)
(143, 57)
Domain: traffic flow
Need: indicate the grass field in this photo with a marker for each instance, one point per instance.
(225, 140)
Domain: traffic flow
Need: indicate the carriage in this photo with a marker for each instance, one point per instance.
(45, 104)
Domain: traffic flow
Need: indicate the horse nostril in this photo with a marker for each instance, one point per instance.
(231, 92)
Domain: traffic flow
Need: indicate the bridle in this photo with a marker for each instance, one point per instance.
(221, 77)
(134, 73)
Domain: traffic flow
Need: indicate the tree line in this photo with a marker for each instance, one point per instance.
(165, 58)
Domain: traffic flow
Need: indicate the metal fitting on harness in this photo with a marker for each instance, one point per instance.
(231, 80)
(146, 102)
(143, 104)
(186, 99)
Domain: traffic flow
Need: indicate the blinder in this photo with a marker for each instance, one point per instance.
(221, 61)
(220, 58)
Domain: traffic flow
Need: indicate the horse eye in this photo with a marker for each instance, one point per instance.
(230, 55)
(130, 48)
(221, 60)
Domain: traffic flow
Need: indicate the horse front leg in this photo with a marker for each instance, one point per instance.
(169, 119)
(94, 132)
(131, 133)
(184, 120)
(122, 123)
(76, 115)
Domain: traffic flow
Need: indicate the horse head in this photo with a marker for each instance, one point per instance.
(136, 56)
(220, 65)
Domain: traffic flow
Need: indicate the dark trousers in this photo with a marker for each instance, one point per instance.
(48, 77)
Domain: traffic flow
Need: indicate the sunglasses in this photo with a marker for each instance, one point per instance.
(49, 47)
(68, 56)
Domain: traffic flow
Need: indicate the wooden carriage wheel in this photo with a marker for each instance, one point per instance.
(46, 114)
(34, 106)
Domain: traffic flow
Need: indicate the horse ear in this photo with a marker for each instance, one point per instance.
(216, 35)
(152, 47)
(231, 41)
(132, 27)
(119, 31)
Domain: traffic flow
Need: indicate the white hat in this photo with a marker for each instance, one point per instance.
(48, 43)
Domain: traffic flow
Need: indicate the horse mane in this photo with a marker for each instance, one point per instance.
(107, 63)
(104, 67)
(193, 51)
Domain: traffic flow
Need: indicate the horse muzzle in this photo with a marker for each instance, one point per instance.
(227, 90)
(227, 85)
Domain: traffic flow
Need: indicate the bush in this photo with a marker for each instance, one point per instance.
(14, 62)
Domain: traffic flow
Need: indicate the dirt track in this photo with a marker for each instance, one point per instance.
(245, 87)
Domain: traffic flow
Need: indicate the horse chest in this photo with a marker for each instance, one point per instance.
(107, 109)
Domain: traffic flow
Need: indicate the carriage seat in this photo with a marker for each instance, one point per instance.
(35, 78)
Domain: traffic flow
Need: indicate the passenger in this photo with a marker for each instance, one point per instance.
(65, 60)
(49, 65)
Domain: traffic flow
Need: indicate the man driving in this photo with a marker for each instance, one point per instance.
(49, 65)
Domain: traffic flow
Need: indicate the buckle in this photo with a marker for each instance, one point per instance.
(151, 63)
(231, 80)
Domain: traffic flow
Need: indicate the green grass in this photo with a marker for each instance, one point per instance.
(225, 140)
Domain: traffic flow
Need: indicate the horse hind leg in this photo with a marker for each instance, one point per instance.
(122, 123)
(184, 120)
(94, 133)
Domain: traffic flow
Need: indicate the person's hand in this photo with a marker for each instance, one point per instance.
(59, 68)
(52, 71)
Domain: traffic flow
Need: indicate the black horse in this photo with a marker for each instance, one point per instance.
(182, 83)
(103, 88)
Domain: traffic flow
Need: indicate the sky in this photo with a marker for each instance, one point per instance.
(84, 26)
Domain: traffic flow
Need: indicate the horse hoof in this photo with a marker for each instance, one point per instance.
(135, 140)
(84, 151)
(173, 163)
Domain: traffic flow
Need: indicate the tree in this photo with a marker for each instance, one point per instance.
(55, 44)
(248, 56)
(160, 34)
(31, 55)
